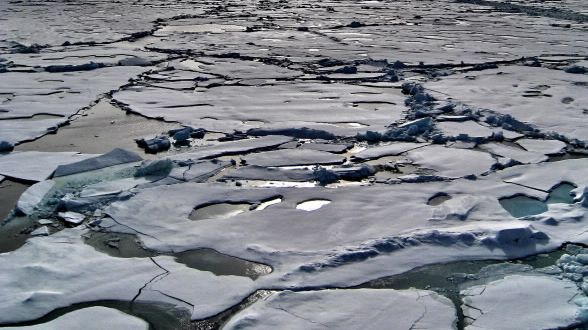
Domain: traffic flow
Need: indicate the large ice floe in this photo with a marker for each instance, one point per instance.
(406, 165)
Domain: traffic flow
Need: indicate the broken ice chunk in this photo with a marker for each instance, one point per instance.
(72, 217)
(6, 146)
(41, 231)
(155, 167)
(45, 222)
(155, 145)
(115, 157)
(33, 196)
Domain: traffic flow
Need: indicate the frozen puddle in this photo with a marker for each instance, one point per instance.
(521, 206)
(312, 205)
(561, 194)
(221, 264)
(128, 246)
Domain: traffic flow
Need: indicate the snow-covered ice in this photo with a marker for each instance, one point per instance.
(324, 144)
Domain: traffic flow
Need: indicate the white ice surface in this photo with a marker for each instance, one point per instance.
(60, 270)
(392, 149)
(348, 309)
(520, 155)
(36, 165)
(91, 318)
(546, 147)
(521, 303)
(293, 157)
(450, 162)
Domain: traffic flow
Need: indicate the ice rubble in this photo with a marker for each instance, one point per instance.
(528, 94)
(379, 309)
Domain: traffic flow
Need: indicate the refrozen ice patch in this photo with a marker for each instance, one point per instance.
(548, 304)
(379, 309)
